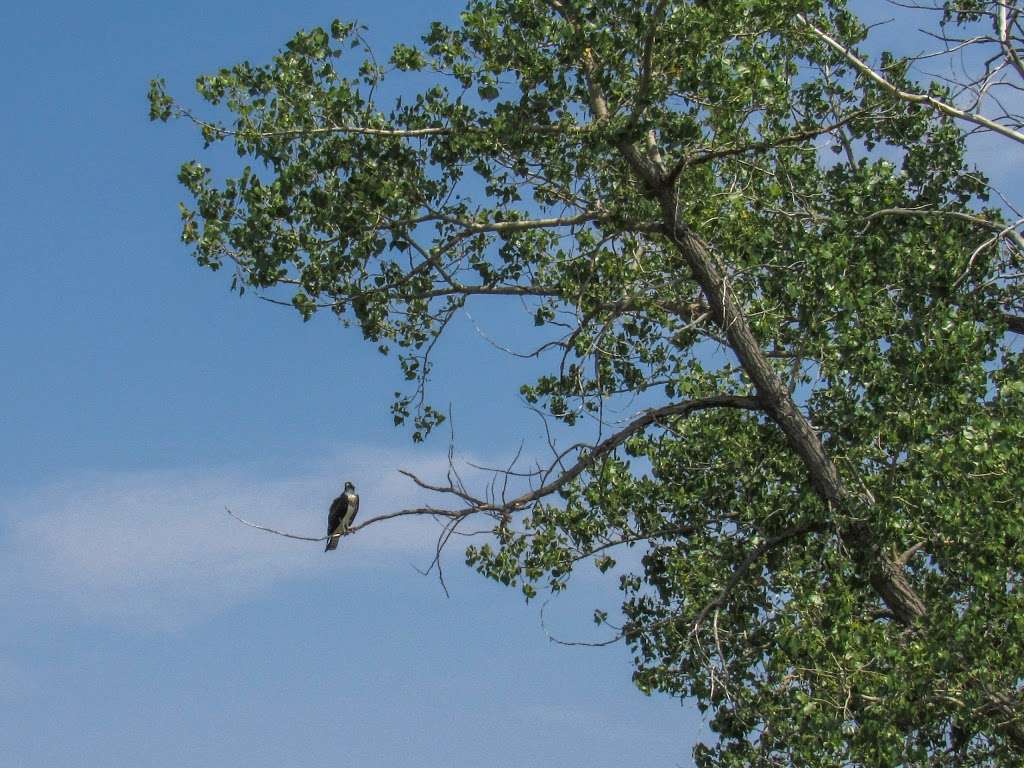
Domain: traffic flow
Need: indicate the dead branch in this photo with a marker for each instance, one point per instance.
(431, 511)
(243, 521)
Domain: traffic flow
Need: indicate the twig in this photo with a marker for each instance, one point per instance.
(273, 530)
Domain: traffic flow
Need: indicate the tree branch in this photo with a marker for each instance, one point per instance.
(646, 62)
(1014, 323)
(649, 171)
(1008, 232)
(419, 511)
(358, 130)
(915, 98)
(708, 155)
(752, 557)
(648, 418)
(243, 521)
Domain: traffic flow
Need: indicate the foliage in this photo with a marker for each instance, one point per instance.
(712, 208)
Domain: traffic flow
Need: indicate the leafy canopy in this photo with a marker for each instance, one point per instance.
(710, 209)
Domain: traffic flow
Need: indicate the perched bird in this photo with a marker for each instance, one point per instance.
(343, 512)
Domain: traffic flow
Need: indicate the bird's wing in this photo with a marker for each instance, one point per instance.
(337, 513)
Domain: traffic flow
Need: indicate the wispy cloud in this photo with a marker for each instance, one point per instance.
(155, 549)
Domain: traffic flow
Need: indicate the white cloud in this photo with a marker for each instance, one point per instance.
(156, 548)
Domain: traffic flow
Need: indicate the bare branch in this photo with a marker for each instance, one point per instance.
(273, 530)
(1005, 22)
(915, 98)
(454, 514)
(575, 643)
(450, 489)
(472, 227)
(359, 130)
(648, 418)
(1008, 232)
(707, 155)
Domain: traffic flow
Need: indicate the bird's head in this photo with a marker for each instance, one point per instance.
(349, 488)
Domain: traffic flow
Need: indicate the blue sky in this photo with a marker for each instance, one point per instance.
(142, 626)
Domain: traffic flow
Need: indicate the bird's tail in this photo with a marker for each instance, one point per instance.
(332, 543)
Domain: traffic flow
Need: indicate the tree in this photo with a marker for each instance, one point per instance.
(826, 484)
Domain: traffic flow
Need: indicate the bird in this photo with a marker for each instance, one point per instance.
(343, 512)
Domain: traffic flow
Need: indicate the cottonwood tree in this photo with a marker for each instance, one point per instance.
(726, 210)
